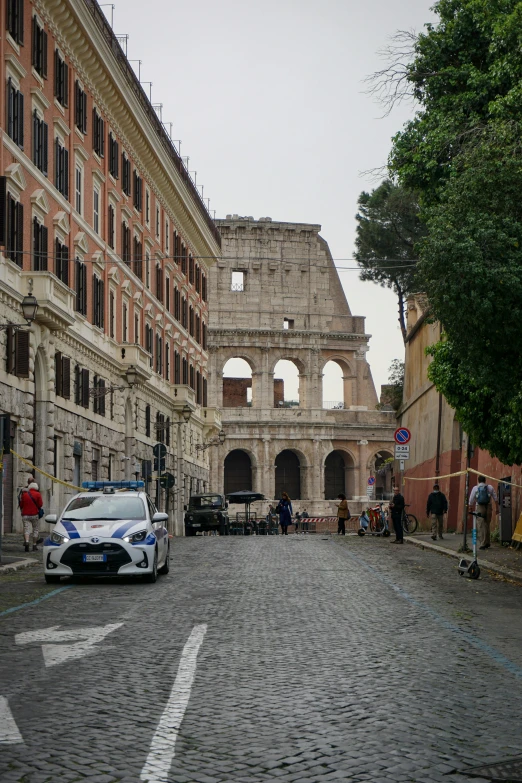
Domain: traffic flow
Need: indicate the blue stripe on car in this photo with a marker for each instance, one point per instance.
(49, 542)
(149, 541)
(73, 533)
(120, 532)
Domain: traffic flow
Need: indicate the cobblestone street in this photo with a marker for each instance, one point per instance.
(323, 660)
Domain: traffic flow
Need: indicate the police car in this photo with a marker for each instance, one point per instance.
(111, 529)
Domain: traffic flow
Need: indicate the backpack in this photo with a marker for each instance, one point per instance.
(483, 496)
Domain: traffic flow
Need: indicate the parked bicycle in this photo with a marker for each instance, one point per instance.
(409, 521)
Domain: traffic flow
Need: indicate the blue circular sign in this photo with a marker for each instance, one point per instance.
(402, 435)
(371, 481)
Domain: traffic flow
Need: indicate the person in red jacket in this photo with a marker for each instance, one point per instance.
(30, 503)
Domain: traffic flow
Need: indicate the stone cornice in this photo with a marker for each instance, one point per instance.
(119, 97)
(286, 333)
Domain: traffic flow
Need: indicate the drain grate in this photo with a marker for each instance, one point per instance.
(505, 771)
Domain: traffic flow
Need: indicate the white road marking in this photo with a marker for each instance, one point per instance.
(159, 760)
(9, 732)
(55, 654)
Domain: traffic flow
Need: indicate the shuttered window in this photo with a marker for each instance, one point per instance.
(177, 368)
(111, 226)
(14, 231)
(61, 261)
(98, 301)
(81, 287)
(61, 79)
(15, 114)
(204, 288)
(126, 243)
(125, 174)
(98, 404)
(40, 247)
(205, 393)
(137, 262)
(185, 372)
(61, 168)
(147, 421)
(138, 191)
(62, 375)
(113, 156)
(17, 352)
(81, 389)
(80, 107)
(39, 49)
(15, 20)
(40, 143)
(159, 282)
(98, 134)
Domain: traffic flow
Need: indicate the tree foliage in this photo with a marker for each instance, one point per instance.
(388, 228)
(463, 156)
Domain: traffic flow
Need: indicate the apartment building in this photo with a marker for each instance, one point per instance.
(101, 222)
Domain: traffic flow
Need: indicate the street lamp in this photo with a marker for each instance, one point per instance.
(217, 441)
(186, 412)
(100, 391)
(29, 310)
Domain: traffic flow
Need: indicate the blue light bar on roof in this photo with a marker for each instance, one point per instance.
(116, 484)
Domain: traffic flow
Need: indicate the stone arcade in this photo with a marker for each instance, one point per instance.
(276, 294)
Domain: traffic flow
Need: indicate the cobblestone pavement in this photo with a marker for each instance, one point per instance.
(324, 660)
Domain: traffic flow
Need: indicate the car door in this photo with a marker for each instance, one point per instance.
(161, 538)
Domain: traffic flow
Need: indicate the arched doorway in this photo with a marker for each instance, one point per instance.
(238, 471)
(334, 475)
(288, 475)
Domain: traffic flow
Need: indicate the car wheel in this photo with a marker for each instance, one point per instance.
(165, 568)
(152, 577)
(52, 579)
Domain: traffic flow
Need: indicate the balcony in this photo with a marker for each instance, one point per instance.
(181, 396)
(211, 420)
(55, 300)
(135, 356)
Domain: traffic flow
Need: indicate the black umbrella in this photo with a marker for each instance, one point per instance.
(247, 497)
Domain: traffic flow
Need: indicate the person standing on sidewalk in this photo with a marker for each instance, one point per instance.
(284, 509)
(397, 505)
(436, 507)
(343, 513)
(30, 503)
(481, 496)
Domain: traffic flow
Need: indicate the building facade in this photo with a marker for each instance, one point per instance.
(275, 294)
(101, 222)
(438, 445)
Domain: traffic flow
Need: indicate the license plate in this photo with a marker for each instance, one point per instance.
(94, 558)
(197, 524)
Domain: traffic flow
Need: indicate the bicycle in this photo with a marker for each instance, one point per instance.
(378, 521)
(409, 521)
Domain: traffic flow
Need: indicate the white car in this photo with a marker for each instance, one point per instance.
(112, 529)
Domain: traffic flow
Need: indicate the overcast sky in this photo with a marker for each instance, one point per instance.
(267, 97)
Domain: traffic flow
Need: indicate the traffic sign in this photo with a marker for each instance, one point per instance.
(159, 450)
(371, 481)
(402, 451)
(402, 435)
(167, 481)
(402, 465)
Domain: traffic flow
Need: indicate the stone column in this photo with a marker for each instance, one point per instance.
(318, 472)
(360, 474)
(348, 387)
(258, 390)
(215, 380)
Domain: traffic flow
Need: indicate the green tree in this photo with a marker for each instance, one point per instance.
(395, 386)
(388, 228)
(463, 156)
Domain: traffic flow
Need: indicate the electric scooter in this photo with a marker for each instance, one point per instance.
(471, 568)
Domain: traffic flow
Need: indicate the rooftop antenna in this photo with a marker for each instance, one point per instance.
(112, 7)
(139, 67)
(123, 40)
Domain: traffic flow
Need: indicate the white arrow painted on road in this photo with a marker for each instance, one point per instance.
(9, 733)
(54, 653)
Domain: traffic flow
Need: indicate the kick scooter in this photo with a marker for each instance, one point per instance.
(471, 568)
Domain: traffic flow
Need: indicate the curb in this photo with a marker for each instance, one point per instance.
(18, 566)
(497, 569)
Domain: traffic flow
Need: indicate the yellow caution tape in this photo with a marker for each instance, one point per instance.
(435, 478)
(48, 475)
(492, 478)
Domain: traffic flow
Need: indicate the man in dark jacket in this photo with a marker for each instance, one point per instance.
(436, 506)
(397, 506)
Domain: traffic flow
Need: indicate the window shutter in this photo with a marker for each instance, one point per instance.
(101, 136)
(66, 377)
(94, 300)
(44, 247)
(34, 32)
(65, 264)
(10, 350)
(101, 400)
(45, 146)
(101, 288)
(65, 69)
(58, 378)
(44, 54)
(20, 140)
(3, 209)
(22, 353)
(20, 39)
(84, 288)
(84, 113)
(85, 388)
(66, 173)
(56, 74)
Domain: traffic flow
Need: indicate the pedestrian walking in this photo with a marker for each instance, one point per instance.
(343, 513)
(436, 507)
(30, 503)
(297, 520)
(481, 496)
(305, 516)
(284, 509)
(397, 505)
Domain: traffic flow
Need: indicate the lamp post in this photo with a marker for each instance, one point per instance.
(29, 310)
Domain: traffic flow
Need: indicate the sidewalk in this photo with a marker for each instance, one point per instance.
(13, 555)
(499, 559)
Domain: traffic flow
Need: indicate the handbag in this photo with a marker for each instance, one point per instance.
(41, 511)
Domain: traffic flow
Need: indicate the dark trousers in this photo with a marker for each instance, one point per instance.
(397, 525)
(284, 530)
(341, 526)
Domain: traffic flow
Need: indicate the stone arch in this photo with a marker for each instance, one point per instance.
(282, 396)
(348, 382)
(238, 390)
(278, 356)
(339, 474)
(238, 468)
(236, 353)
(290, 471)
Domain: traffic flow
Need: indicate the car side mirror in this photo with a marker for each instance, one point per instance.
(51, 519)
(160, 516)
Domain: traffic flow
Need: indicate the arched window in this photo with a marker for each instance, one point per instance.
(237, 384)
(288, 475)
(333, 387)
(238, 471)
(286, 384)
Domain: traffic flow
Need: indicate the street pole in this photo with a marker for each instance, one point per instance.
(2, 430)
(180, 493)
(464, 547)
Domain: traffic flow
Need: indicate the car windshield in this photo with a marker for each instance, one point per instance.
(105, 507)
(206, 501)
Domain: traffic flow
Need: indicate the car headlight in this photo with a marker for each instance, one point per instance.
(135, 538)
(57, 538)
